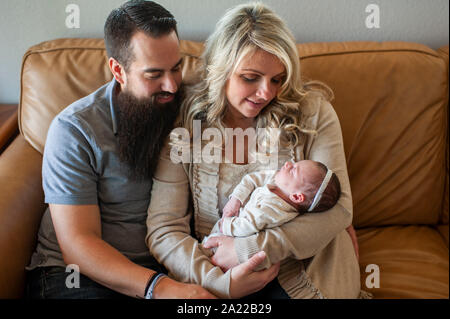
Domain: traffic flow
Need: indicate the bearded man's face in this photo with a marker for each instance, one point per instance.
(148, 100)
(143, 127)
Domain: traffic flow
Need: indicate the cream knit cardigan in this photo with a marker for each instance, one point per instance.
(316, 253)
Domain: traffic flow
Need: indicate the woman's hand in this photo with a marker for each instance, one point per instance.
(245, 280)
(351, 231)
(225, 256)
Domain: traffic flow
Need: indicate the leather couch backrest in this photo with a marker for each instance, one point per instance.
(391, 99)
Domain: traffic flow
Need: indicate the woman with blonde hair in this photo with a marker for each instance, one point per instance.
(251, 80)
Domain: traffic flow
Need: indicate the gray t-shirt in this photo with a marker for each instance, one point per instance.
(81, 167)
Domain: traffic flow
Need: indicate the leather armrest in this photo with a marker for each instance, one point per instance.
(21, 209)
(9, 127)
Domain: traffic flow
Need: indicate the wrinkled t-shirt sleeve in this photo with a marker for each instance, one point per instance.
(68, 174)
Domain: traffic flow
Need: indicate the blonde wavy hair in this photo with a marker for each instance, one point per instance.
(241, 31)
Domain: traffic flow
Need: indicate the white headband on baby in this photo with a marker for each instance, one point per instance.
(322, 188)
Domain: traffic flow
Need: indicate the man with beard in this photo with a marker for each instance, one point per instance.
(98, 162)
(143, 126)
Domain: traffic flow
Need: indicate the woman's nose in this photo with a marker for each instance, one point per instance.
(265, 91)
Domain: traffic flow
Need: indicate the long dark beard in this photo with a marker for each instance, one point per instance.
(143, 127)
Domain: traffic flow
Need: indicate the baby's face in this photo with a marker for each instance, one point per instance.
(293, 177)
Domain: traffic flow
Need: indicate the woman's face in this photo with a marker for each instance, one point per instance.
(254, 84)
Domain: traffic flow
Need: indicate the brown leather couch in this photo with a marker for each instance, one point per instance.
(392, 101)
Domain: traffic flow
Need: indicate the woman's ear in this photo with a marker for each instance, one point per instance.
(297, 198)
(117, 70)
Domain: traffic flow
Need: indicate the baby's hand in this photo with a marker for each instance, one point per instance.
(232, 207)
(220, 225)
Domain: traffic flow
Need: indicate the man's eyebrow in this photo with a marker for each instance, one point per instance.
(153, 70)
(178, 63)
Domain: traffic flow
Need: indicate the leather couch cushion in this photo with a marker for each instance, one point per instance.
(443, 230)
(413, 261)
(443, 52)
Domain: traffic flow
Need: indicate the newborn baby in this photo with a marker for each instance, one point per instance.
(276, 197)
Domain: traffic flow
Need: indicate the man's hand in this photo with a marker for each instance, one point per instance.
(245, 281)
(231, 208)
(352, 233)
(168, 288)
(225, 256)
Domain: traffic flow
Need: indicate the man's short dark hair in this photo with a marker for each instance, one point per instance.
(131, 17)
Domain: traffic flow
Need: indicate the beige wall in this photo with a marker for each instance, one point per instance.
(27, 22)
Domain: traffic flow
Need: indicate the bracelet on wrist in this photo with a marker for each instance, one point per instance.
(152, 284)
(149, 282)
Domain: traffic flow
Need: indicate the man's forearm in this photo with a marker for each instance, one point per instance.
(104, 264)
(107, 266)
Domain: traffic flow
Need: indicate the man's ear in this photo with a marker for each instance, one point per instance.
(297, 198)
(117, 70)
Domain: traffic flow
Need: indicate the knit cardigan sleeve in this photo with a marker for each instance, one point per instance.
(169, 234)
(307, 234)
